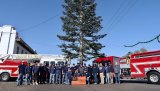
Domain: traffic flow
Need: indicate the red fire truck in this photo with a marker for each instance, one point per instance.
(9, 63)
(9, 68)
(141, 65)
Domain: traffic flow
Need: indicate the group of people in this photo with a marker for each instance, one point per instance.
(37, 73)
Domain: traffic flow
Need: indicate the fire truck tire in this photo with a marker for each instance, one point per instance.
(153, 77)
(4, 76)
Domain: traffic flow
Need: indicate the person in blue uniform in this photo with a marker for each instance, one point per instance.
(101, 73)
(40, 73)
(95, 73)
(107, 76)
(85, 69)
(52, 71)
(73, 69)
(58, 74)
(69, 76)
(21, 69)
(28, 71)
(44, 73)
(64, 73)
(88, 75)
(35, 70)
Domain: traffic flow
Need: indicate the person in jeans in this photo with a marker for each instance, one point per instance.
(81, 70)
(107, 74)
(52, 71)
(101, 73)
(95, 73)
(21, 69)
(117, 72)
(69, 76)
(64, 73)
(58, 73)
(28, 71)
(35, 72)
(88, 75)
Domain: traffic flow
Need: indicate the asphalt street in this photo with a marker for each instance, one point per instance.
(126, 86)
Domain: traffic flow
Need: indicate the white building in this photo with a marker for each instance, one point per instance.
(11, 43)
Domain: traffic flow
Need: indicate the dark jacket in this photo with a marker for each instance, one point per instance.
(65, 69)
(58, 70)
(116, 69)
(88, 74)
(107, 69)
(28, 69)
(35, 69)
(69, 74)
(73, 68)
(52, 70)
(111, 68)
(101, 69)
(21, 69)
(90, 70)
(81, 69)
(95, 70)
(85, 69)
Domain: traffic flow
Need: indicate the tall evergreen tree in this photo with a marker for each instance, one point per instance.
(81, 27)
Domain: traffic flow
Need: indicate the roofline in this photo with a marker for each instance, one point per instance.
(25, 45)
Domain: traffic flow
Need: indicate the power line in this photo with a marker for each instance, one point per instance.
(37, 25)
(121, 13)
(116, 13)
(155, 38)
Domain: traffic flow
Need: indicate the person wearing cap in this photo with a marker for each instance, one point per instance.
(21, 69)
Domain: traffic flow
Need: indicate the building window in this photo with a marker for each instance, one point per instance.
(17, 50)
(22, 52)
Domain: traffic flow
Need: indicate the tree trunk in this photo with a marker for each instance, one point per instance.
(81, 37)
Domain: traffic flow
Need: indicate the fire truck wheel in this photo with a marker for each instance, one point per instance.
(4, 77)
(153, 77)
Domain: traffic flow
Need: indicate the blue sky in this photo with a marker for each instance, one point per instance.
(125, 22)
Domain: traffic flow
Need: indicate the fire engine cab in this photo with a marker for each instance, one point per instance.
(9, 63)
(141, 65)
